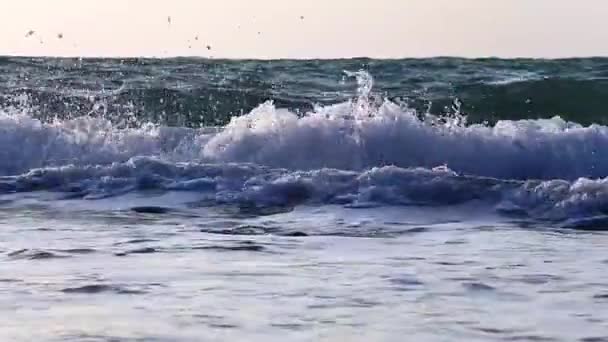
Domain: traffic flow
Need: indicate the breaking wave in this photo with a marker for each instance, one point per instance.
(366, 150)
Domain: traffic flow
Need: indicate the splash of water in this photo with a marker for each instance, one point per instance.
(359, 134)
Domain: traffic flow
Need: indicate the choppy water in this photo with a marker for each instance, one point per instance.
(189, 200)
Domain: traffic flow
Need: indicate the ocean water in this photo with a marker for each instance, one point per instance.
(361, 200)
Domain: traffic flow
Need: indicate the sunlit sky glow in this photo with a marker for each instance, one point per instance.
(329, 28)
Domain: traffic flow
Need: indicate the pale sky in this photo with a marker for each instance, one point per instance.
(329, 29)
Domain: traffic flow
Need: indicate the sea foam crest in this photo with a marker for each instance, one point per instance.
(356, 135)
(361, 134)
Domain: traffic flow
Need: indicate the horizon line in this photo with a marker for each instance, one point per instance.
(270, 59)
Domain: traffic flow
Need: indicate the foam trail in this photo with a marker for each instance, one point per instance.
(576, 204)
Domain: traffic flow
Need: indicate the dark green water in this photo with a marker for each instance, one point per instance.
(195, 92)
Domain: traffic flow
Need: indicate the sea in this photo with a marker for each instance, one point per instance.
(193, 199)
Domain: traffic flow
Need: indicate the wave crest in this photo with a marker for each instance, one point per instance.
(341, 137)
(355, 135)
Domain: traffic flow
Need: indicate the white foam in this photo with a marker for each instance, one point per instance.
(27, 143)
(258, 187)
(559, 199)
(344, 137)
(356, 135)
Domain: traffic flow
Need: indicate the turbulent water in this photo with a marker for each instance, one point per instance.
(193, 199)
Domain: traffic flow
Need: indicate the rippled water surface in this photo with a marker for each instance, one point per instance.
(316, 273)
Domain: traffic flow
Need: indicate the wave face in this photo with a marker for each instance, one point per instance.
(301, 137)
